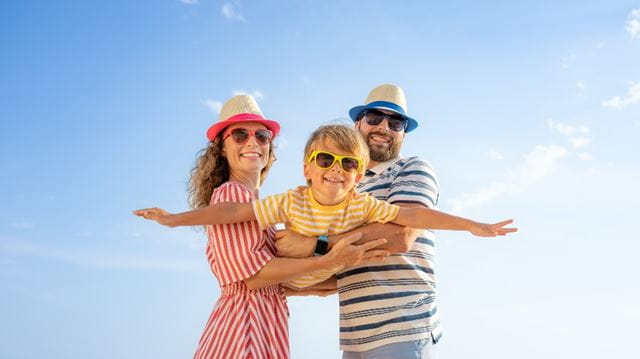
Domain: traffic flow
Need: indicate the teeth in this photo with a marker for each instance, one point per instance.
(333, 180)
(250, 155)
(379, 139)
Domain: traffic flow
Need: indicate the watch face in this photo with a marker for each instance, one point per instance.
(321, 247)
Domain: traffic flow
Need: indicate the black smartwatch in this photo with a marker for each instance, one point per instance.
(322, 245)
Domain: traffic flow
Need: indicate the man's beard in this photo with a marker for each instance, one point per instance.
(379, 154)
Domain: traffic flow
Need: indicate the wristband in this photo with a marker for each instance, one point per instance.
(322, 245)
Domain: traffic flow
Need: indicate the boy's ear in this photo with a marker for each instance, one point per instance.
(359, 177)
(305, 171)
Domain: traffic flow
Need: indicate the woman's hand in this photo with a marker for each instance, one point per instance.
(492, 230)
(157, 214)
(346, 253)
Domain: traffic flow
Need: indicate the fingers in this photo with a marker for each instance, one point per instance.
(503, 223)
(373, 244)
(352, 238)
(149, 213)
(280, 234)
(508, 230)
(140, 212)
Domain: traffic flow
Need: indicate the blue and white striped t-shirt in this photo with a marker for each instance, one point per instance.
(394, 300)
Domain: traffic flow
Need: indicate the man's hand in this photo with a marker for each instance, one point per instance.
(294, 245)
(347, 253)
(156, 214)
(492, 230)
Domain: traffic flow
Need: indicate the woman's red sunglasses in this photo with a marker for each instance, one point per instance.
(241, 135)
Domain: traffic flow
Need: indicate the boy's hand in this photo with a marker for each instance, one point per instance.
(156, 214)
(492, 230)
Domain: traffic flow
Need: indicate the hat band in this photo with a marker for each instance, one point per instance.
(245, 116)
(389, 105)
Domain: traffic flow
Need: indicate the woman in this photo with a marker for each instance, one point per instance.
(250, 317)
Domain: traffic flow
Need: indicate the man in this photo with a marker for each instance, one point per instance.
(387, 309)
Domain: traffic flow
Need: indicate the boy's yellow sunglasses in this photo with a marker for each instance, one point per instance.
(326, 159)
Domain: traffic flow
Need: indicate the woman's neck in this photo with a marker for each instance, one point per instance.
(251, 180)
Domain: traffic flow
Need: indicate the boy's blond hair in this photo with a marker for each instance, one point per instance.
(345, 138)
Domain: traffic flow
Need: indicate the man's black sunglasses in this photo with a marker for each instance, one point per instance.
(395, 122)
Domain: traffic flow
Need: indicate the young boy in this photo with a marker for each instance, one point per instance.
(335, 159)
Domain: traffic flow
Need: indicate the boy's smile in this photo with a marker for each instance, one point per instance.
(330, 186)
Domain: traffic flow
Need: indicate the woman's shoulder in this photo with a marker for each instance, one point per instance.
(231, 191)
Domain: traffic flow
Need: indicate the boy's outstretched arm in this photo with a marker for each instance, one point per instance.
(221, 213)
(427, 218)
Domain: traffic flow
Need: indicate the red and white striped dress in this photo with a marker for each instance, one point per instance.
(244, 323)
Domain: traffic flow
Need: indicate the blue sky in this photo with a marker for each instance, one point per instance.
(527, 109)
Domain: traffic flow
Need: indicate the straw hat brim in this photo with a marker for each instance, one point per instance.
(355, 112)
(215, 129)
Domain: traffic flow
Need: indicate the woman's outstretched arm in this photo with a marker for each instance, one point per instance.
(221, 213)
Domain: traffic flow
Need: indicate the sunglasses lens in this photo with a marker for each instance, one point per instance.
(396, 124)
(240, 135)
(324, 160)
(349, 164)
(374, 118)
(263, 137)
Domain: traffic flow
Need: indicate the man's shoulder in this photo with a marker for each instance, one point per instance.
(414, 162)
(414, 167)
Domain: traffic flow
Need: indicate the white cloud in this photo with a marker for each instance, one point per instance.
(585, 156)
(567, 130)
(633, 96)
(230, 13)
(495, 155)
(578, 142)
(257, 94)
(581, 86)
(189, 2)
(536, 165)
(214, 106)
(100, 260)
(633, 24)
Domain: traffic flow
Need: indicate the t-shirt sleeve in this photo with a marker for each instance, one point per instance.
(379, 211)
(415, 183)
(240, 249)
(271, 210)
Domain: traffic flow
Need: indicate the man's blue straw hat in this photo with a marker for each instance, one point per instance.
(386, 97)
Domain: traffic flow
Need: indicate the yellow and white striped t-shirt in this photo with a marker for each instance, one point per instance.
(305, 215)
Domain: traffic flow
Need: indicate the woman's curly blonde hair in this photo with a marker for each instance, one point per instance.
(212, 169)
